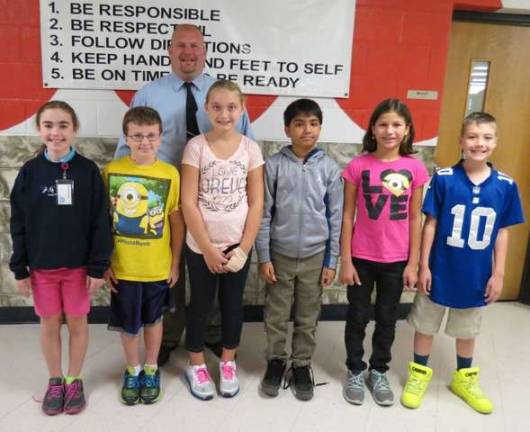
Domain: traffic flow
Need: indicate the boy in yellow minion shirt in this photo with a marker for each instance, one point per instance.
(148, 232)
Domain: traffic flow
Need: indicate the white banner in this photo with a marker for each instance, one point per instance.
(276, 47)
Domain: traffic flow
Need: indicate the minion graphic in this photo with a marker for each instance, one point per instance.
(156, 220)
(396, 182)
(130, 211)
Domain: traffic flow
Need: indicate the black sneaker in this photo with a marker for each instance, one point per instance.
(130, 391)
(53, 402)
(302, 382)
(270, 384)
(149, 386)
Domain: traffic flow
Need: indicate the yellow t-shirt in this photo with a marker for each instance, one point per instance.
(141, 199)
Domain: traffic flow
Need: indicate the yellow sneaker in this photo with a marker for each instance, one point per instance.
(465, 384)
(416, 385)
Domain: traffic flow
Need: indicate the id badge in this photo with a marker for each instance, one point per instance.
(65, 192)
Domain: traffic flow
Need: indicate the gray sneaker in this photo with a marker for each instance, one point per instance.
(353, 389)
(380, 387)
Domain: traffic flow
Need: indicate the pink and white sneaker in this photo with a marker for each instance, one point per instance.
(229, 384)
(200, 382)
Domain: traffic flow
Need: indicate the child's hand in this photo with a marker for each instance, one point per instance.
(173, 276)
(410, 277)
(348, 273)
(493, 288)
(215, 260)
(267, 273)
(328, 275)
(237, 259)
(24, 286)
(111, 280)
(94, 284)
(424, 280)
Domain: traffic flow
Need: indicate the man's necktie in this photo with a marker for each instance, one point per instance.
(192, 129)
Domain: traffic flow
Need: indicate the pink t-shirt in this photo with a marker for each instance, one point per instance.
(384, 191)
(222, 197)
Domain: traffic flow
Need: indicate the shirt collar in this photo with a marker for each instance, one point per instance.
(179, 82)
(66, 158)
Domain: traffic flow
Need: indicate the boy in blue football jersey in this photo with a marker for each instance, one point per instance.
(463, 252)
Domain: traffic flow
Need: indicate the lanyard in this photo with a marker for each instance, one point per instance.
(64, 160)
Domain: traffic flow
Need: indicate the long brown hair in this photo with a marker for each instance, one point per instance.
(402, 110)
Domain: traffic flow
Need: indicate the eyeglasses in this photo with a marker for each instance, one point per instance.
(138, 138)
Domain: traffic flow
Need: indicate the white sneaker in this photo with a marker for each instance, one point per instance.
(229, 384)
(200, 382)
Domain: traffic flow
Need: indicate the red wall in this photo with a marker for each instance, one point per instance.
(398, 45)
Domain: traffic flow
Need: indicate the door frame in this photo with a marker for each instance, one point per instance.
(493, 18)
(519, 20)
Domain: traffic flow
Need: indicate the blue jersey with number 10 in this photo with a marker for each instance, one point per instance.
(468, 218)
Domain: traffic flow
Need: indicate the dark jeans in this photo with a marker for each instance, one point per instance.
(388, 279)
(204, 285)
(175, 318)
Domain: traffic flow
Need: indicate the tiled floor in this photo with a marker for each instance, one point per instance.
(503, 353)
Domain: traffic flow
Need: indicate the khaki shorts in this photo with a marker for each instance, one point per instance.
(426, 317)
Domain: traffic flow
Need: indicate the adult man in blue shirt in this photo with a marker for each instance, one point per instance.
(168, 96)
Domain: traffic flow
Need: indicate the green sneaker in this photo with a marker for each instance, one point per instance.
(416, 385)
(149, 386)
(465, 384)
(130, 391)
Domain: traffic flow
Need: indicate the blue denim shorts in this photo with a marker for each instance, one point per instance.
(138, 304)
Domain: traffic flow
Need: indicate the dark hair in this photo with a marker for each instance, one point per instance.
(386, 106)
(301, 106)
(56, 104)
(141, 115)
(226, 85)
(478, 118)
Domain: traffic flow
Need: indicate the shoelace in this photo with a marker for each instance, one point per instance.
(202, 375)
(131, 381)
(151, 380)
(381, 382)
(414, 385)
(474, 388)
(288, 377)
(228, 371)
(55, 391)
(73, 390)
(356, 382)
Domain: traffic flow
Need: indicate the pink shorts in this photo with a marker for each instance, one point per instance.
(58, 290)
